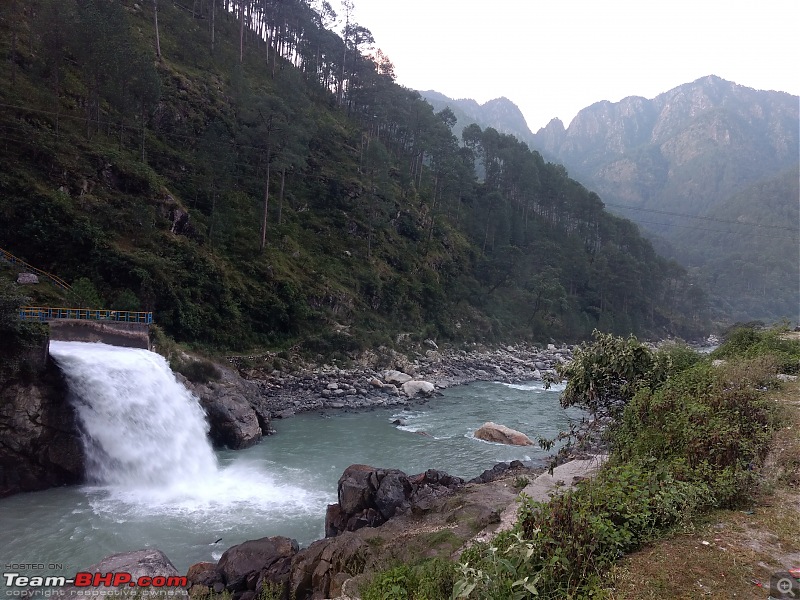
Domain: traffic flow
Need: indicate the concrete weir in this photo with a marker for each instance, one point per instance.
(128, 335)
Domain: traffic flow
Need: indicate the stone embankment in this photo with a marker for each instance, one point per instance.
(388, 378)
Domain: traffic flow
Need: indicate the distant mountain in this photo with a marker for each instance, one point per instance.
(686, 149)
(715, 151)
(501, 114)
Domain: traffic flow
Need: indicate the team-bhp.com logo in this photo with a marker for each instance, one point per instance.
(95, 580)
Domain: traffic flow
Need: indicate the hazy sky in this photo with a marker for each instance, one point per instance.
(553, 58)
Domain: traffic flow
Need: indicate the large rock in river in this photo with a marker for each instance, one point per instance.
(418, 388)
(492, 432)
(238, 414)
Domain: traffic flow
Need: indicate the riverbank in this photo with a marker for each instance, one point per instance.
(731, 553)
(376, 379)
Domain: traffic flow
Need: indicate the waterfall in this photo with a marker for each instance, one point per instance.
(140, 426)
(145, 438)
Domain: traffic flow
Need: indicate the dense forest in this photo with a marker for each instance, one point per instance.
(251, 172)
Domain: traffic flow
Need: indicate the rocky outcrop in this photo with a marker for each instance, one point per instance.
(40, 444)
(256, 564)
(430, 514)
(492, 432)
(368, 496)
(237, 413)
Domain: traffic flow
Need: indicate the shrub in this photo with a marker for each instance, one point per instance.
(749, 342)
(430, 580)
(197, 371)
(605, 374)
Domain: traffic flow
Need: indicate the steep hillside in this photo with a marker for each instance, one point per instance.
(257, 180)
(750, 272)
(678, 165)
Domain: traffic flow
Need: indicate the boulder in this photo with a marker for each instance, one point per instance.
(234, 423)
(320, 570)
(356, 488)
(238, 414)
(368, 497)
(492, 432)
(203, 573)
(27, 279)
(395, 377)
(263, 561)
(392, 493)
(414, 388)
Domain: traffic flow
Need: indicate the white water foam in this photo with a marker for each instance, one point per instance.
(536, 386)
(145, 437)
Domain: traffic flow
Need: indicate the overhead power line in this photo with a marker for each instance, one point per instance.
(701, 217)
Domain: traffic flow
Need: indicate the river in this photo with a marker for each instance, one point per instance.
(154, 486)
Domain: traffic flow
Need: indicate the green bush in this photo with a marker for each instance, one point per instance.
(750, 342)
(709, 424)
(197, 371)
(431, 580)
(605, 374)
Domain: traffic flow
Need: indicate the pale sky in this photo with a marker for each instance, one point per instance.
(554, 58)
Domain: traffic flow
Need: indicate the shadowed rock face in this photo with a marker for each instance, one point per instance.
(40, 444)
(369, 496)
(237, 412)
(255, 563)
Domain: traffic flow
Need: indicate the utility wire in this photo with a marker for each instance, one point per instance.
(675, 214)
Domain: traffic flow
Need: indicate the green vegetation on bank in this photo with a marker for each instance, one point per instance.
(259, 180)
(688, 437)
(19, 338)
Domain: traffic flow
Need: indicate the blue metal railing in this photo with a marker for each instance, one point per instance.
(44, 313)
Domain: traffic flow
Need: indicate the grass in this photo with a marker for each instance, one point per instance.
(731, 553)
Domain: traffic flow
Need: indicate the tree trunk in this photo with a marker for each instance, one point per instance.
(280, 198)
(266, 208)
(155, 20)
(241, 31)
(13, 57)
(143, 157)
(213, 17)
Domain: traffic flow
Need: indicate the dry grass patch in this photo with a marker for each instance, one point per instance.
(732, 553)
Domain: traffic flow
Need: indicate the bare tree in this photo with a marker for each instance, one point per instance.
(155, 20)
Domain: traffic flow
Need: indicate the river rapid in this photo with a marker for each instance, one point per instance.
(155, 482)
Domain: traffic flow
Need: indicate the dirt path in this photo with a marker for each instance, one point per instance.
(732, 554)
(542, 489)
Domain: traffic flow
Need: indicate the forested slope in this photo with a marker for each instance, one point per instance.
(257, 179)
(751, 272)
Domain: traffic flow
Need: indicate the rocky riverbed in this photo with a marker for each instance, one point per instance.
(380, 379)
(249, 394)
